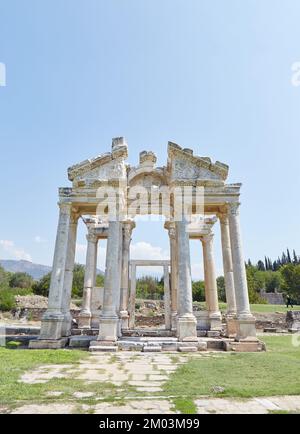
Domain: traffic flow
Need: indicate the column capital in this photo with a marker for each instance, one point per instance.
(234, 208)
(65, 207)
(205, 239)
(223, 217)
(91, 237)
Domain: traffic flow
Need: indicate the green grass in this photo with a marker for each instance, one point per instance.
(185, 405)
(275, 372)
(13, 363)
(260, 308)
(244, 375)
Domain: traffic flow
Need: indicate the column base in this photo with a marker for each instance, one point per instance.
(215, 321)
(186, 328)
(246, 330)
(42, 344)
(67, 325)
(95, 319)
(52, 325)
(231, 326)
(84, 320)
(124, 319)
(108, 329)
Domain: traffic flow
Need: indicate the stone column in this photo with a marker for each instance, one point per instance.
(231, 323)
(89, 281)
(211, 289)
(132, 296)
(174, 276)
(167, 298)
(68, 278)
(227, 266)
(109, 319)
(246, 321)
(127, 230)
(52, 321)
(186, 324)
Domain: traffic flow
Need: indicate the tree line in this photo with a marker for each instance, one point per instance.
(282, 275)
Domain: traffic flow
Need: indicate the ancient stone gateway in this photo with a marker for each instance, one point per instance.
(108, 194)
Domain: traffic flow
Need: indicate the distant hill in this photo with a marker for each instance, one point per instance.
(35, 270)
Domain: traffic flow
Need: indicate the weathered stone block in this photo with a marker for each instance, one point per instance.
(188, 349)
(152, 349)
(243, 347)
(168, 346)
(43, 344)
(213, 333)
(293, 319)
(80, 341)
(202, 346)
(102, 348)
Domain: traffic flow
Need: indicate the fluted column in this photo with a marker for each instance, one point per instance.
(109, 319)
(127, 231)
(174, 276)
(51, 327)
(246, 321)
(211, 289)
(167, 298)
(68, 278)
(186, 325)
(132, 296)
(227, 265)
(89, 281)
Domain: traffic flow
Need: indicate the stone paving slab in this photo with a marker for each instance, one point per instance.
(263, 405)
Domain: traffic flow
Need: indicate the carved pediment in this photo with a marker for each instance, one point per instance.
(183, 165)
(105, 167)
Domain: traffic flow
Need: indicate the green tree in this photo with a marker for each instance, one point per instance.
(41, 287)
(78, 280)
(255, 283)
(198, 288)
(221, 288)
(100, 280)
(261, 266)
(273, 281)
(149, 287)
(4, 277)
(20, 280)
(291, 281)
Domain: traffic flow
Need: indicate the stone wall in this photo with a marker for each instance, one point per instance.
(272, 297)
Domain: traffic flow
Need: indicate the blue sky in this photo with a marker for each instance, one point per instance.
(212, 75)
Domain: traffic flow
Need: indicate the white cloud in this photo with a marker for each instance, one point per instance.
(38, 239)
(143, 250)
(11, 251)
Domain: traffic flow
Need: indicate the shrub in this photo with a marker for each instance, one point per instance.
(20, 280)
(7, 299)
